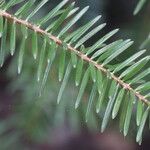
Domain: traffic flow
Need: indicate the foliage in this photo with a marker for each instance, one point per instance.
(116, 87)
(139, 6)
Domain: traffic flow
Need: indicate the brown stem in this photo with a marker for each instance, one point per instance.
(80, 54)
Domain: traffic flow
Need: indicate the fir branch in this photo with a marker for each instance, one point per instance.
(80, 54)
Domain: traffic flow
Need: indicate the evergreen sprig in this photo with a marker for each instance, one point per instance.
(113, 84)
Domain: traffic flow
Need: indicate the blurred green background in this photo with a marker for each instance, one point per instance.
(29, 122)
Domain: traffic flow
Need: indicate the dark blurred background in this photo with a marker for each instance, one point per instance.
(29, 124)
